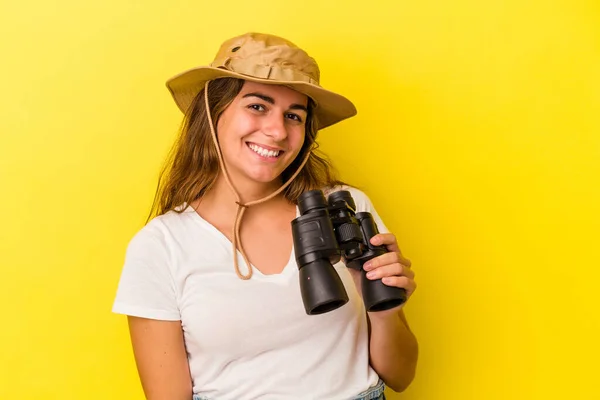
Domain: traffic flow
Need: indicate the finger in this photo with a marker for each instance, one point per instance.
(383, 239)
(384, 259)
(405, 261)
(395, 269)
(401, 282)
(389, 240)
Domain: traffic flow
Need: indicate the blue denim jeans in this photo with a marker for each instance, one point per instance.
(374, 393)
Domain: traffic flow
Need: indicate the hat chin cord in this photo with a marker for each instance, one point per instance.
(242, 206)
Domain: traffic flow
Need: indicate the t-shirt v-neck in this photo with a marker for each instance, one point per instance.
(288, 270)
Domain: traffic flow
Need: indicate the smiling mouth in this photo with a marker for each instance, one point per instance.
(261, 151)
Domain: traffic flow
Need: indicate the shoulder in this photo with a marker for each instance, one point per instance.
(149, 241)
(157, 233)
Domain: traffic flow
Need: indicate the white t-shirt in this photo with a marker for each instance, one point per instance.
(246, 339)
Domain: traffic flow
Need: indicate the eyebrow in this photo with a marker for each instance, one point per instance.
(270, 100)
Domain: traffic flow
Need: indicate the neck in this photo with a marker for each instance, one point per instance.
(222, 194)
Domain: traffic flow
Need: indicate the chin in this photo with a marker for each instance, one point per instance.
(264, 175)
(266, 179)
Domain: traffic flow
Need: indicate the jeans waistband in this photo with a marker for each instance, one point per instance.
(373, 393)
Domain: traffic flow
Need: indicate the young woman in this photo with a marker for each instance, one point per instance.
(210, 284)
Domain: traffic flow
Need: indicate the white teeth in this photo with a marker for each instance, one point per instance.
(264, 152)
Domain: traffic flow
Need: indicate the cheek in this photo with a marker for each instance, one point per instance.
(242, 124)
(298, 138)
(234, 126)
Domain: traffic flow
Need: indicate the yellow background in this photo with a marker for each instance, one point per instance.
(478, 139)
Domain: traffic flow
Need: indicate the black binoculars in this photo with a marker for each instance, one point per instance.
(326, 231)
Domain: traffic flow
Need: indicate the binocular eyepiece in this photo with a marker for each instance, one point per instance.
(326, 231)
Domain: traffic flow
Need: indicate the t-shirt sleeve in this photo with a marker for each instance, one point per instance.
(146, 288)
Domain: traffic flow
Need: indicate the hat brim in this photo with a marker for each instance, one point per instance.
(330, 109)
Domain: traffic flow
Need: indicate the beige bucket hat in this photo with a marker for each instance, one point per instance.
(269, 59)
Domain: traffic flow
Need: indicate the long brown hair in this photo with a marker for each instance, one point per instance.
(192, 165)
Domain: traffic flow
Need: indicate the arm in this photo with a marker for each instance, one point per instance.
(161, 358)
(393, 348)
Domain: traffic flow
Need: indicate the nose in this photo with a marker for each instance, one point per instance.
(275, 128)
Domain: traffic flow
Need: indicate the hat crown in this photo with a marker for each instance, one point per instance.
(267, 56)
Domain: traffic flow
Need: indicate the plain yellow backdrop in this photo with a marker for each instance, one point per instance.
(478, 139)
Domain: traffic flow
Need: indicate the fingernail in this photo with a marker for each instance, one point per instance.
(367, 266)
(371, 275)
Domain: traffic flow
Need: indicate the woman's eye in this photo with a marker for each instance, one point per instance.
(257, 107)
(295, 117)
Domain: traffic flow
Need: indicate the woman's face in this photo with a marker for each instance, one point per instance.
(261, 132)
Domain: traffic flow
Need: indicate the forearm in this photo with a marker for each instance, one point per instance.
(393, 349)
